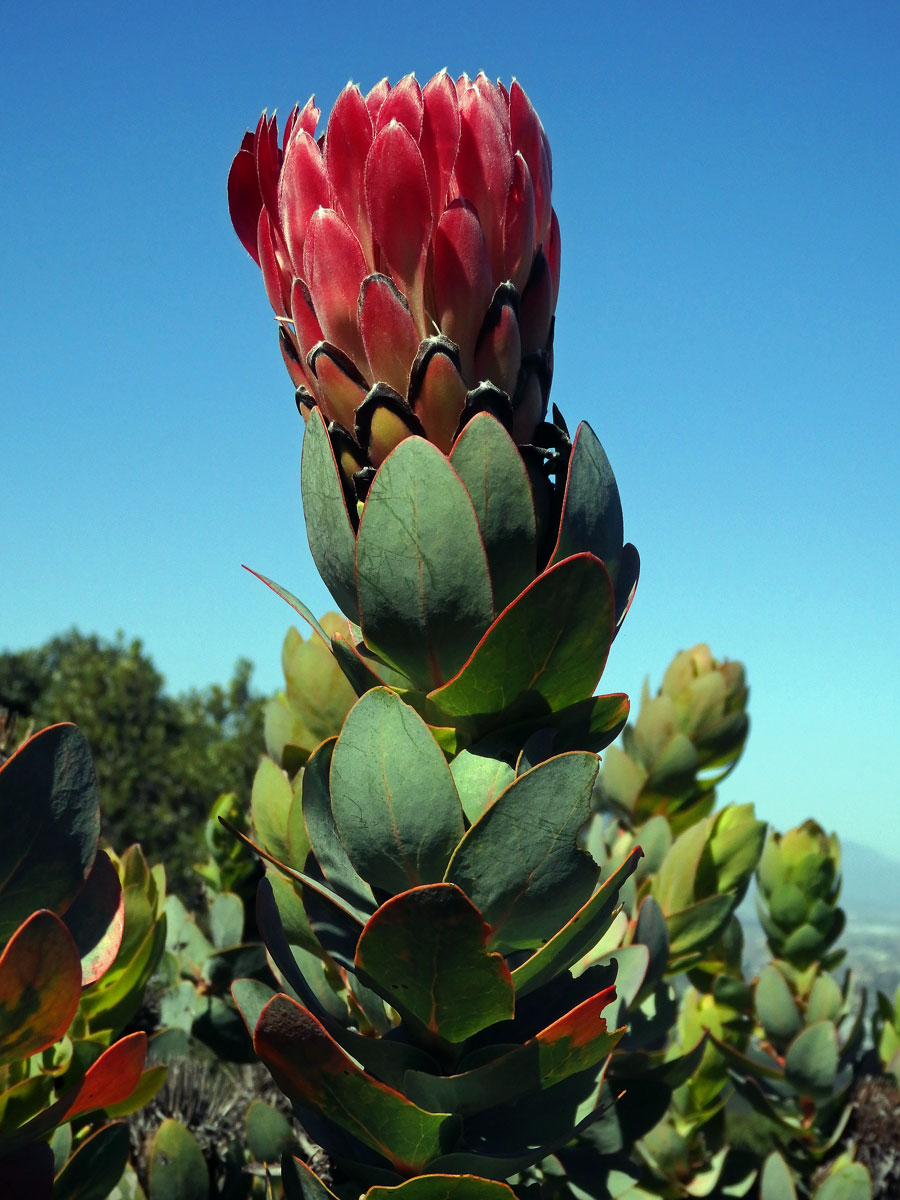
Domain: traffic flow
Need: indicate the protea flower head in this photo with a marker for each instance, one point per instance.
(411, 255)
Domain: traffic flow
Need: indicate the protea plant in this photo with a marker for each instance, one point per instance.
(429, 902)
(411, 255)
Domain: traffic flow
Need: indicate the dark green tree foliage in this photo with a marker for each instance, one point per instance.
(160, 760)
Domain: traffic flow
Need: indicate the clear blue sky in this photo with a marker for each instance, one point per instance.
(727, 178)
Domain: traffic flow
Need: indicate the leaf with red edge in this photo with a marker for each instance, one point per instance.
(300, 1182)
(440, 138)
(97, 919)
(591, 517)
(545, 651)
(403, 104)
(50, 818)
(399, 206)
(443, 1187)
(579, 934)
(302, 189)
(575, 1042)
(520, 863)
(364, 669)
(347, 141)
(297, 605)
(388, 332)
(40, 986)
(314, 1071)
(108, 1081)
(425, 951)
(422, 573)
(463, 280)
(346, 910)
(588, 725)
(494, 474)
(393, 800)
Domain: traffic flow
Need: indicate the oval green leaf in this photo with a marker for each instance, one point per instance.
(96, 1166)
(546, 651)
(422, 572)
(493, 473)
(592, 512)
(394, 804)
(811, 1061)
(578, 935)
(328, 527)
(177, 1168)
(520, 863)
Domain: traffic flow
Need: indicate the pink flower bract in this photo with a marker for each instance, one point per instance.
(411, 255)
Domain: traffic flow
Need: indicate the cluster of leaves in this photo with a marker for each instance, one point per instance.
(426, 897)
(160, 761)
(80, 933)
(765, 1108)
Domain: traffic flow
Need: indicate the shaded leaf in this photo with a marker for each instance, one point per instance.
(323, 835)
(444, 1187)
(575, 1042)
(520, 863)
(49, 843)
(40, 986)
(96, 1166)
(315, 1072)
(578, 935)
(96, 920)
(269, 1133)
